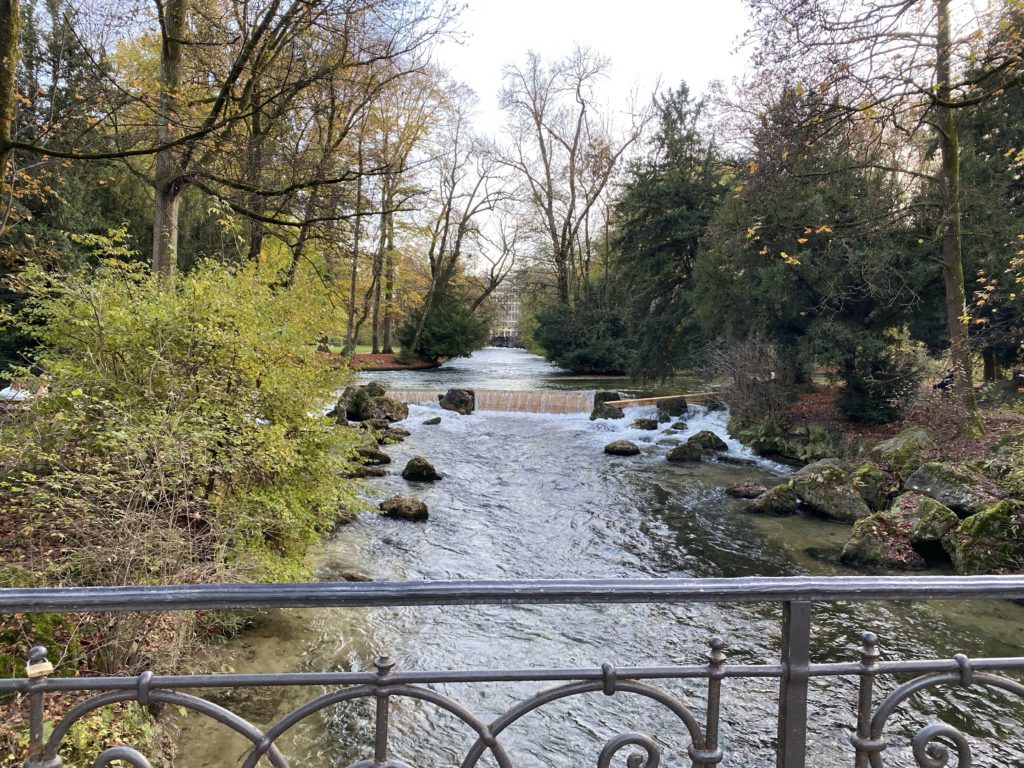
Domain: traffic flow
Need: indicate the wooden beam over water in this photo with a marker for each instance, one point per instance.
(690, 397)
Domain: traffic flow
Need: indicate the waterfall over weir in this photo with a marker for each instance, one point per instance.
(510, 401)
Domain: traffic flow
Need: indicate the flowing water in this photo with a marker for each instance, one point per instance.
(534, 496)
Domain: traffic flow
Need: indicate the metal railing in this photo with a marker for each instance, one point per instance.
(794, 669)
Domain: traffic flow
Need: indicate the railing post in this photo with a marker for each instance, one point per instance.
(796, 659)
(37, 670)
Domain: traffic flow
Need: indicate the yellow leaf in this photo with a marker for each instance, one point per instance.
(823, 228)
(801, 240)
(752, 167)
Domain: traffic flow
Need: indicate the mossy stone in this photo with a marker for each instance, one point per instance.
(989, 542)
(881, 540)
(904, 452)
(780, 500)
(708, 441)
(687, 452)
(872, 484)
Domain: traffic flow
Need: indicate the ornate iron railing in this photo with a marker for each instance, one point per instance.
(931, 745)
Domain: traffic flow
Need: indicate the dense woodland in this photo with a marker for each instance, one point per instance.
(199, 198)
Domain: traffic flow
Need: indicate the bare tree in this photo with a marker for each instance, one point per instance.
(564, 149)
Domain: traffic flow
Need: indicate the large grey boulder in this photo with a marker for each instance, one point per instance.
(404, 508)
(622, 448)
(687, 452)
(905, 452)
(780, 500)
(989, 542)
(372, 456)
(418, 469)
(708, 441)
(745, 490)
(964, 491)
(461, 401)
(605, 411)
(881, 540)
(823, 488)
(926, 520)
(383, 409)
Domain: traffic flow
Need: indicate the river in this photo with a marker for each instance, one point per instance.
(534, 496)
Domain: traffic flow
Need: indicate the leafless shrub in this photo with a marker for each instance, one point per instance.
(752, 379)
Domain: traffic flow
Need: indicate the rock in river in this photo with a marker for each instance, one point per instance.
(686, 452)
(745, 490)
(459, 400)
(645, 424)
(622, 448)
(707, 440)
(404, 508)
(373, 457)
(420, 470)
(605, 411)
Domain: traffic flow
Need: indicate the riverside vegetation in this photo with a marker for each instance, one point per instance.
(180, 231)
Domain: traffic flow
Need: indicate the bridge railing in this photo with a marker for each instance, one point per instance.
(793, 669)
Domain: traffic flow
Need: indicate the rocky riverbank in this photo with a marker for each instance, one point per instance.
(914, 499)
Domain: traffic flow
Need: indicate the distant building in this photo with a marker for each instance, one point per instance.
(507, 306)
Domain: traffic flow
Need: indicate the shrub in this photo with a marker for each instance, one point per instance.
(180, 440)
(754, 381)
(880, 385)
(451, 329)
(588, 337)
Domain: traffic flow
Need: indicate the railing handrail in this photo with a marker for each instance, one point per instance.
(508, 592)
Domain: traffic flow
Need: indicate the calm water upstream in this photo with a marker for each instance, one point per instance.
(534, 496)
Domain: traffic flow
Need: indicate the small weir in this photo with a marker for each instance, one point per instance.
(510, 401)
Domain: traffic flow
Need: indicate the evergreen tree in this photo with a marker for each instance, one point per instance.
(667, 203)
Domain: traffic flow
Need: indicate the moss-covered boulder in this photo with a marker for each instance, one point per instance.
(926, 520)
(604, 411)
(649, 424)
(905, 452)
(708, 441)
(622, 448)
(991, 541)
(780, 500)
(372, 456)
(686, 452)
(825, 489)
(745, 490)
(881, 540)
(433, 422)
(461, 401)
(964, 491)
(873, 485)
(404, 508)
(795, 443)
(418, 469)
(383, 409)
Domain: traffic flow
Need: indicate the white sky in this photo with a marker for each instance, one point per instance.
(691, 40)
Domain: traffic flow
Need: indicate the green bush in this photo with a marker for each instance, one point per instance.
(587, 337)
(180, 439)
(880, 385)
(451, 329)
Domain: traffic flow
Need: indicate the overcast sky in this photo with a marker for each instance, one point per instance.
(691, 40)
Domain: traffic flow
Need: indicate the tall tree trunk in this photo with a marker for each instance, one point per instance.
(378, 267)
(350, 327)
(10, 51)
(167, 177)
(389, 289)
(952, 254)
